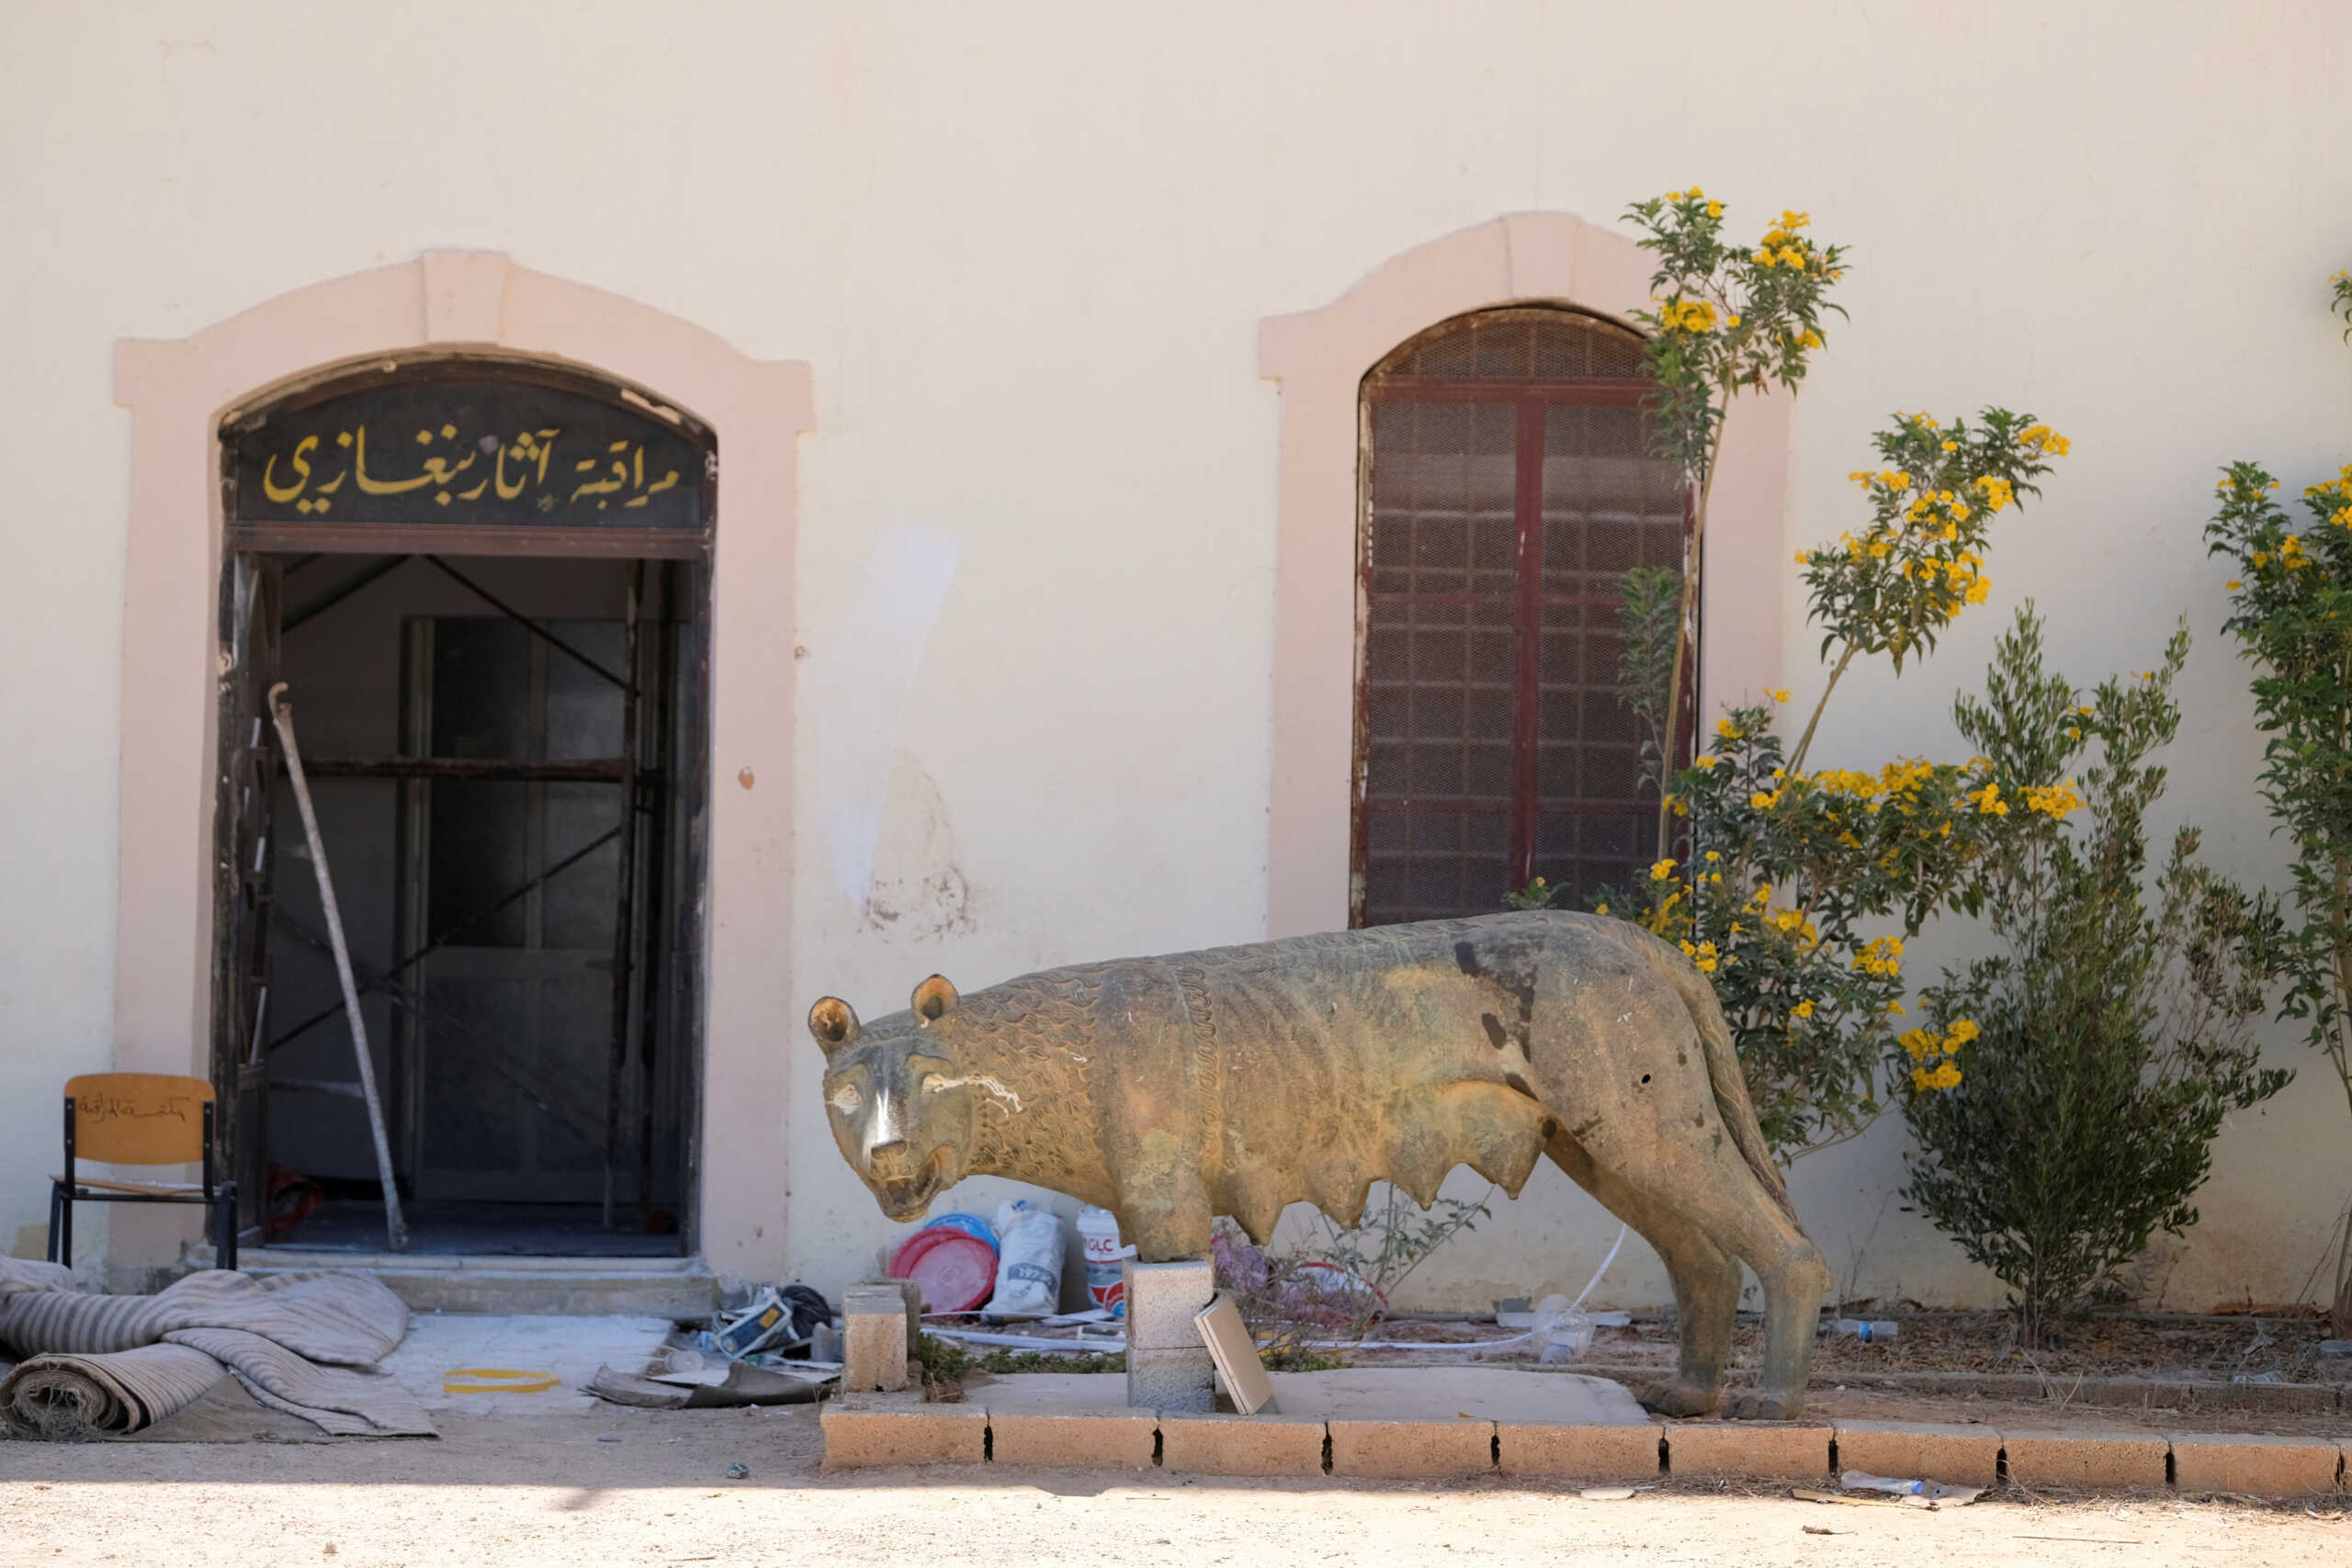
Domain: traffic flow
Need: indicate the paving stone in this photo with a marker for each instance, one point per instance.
(1240, 1445)
(2086, 1457)
(898, 1429)
(1412, 1448)
(2266, 1466)
(875, 1349)
(1965, 1453)
(1746, 1447)
(1092, 1440)
(1172, 1380)
(1162, 1300)
(1615, 1454)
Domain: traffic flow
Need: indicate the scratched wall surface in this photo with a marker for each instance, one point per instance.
(1025, 248)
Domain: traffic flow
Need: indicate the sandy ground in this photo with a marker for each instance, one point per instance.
(611, 1486)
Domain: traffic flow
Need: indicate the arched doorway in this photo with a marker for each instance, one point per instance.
(484, 581)
(1508, 485)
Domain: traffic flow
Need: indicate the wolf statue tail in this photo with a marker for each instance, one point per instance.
(1723, 1073)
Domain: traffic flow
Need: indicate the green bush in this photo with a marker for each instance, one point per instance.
(2108, 1038)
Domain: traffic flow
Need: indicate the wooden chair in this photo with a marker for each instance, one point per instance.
(140, 1119)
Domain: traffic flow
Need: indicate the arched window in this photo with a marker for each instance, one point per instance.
(1507, 486)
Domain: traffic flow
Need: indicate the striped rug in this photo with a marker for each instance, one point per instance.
(306, 1344)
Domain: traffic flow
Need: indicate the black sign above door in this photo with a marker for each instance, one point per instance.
(439, 454)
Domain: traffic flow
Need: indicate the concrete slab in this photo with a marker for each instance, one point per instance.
(571, 1349)
(1241, 1445)
(1601, 1453)
(1747, 1447)
(1449, 1393)
(2086, 1457)
(2269, 1467)
(899, 1428)
(1084, 1439)
(1464, 1446)
(1964, 1453)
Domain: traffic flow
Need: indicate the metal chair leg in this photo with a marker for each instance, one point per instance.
(66, 1227)
(224, 1230)
(56, 1210)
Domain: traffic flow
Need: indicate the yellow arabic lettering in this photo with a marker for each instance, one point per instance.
(301, 466)
(383, 487)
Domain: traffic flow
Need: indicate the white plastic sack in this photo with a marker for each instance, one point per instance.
(1029, 1262)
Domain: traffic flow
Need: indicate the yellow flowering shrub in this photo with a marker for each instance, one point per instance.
(1728, 318)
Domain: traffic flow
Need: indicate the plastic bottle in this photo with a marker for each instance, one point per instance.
(1098, 1234)
(1867, 1329)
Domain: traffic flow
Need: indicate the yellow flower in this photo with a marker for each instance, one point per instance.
(1803, 1010)
(1727, 729)
(1731, 320)
(1715, 854)
(1661, 871)
(1702, 762)
(1989, 801)
(1963, 1030)
(1895, 1008)
(2234, 585)
(1952, 446)
(1600, 909)
(1715, 209)
(1799, 220)
(1809, 339)
(1762, 801)
(1695, 193)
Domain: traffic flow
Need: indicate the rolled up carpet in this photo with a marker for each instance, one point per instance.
(70, 1398)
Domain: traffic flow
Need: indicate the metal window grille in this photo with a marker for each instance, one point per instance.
(1510, 485)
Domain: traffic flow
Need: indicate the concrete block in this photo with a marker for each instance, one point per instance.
(874, 1295)
(1240, 1445)
(1171, 1380)
(2269, 1467)
(1747, 1447)
(1615, 1453)
(876, 1342)
(1090, 1440)
(898, 1429)
(1161, 1300)
(1412, 1448)
(2086, 1457)
(1963, 1453)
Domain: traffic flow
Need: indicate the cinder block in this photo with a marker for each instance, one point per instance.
(1963, 1453)
(872, 1429)
(875, 1340)
(2086, 1457)
(1091, 1439)
(1240, 1445)
(875, 1295)
(1172, 1380)
(1412, 1448)
(2269, 1467)
(1162, 1300)
(1746, 1447)
(1616, 1453)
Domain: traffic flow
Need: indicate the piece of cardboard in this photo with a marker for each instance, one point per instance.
(1235, 1355)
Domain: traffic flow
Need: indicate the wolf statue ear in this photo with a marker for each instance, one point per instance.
(932, 1000)
(835, 1024)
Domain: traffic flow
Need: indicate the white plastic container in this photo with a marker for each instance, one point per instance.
(1098, 1235)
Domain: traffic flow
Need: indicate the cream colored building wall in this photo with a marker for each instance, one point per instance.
(1025, 250)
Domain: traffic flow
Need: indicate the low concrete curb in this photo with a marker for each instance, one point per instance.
(899, 1429)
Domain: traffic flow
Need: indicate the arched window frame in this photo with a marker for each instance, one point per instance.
(1319, 358)
(1569, 754)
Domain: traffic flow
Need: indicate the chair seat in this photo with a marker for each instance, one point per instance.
(148, 1188)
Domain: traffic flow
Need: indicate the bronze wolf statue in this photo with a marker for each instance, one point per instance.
(1238, 1080)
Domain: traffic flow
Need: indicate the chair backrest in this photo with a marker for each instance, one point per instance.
(139, 1118)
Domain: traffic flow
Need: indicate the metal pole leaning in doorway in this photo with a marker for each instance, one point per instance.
(624, 914)
(281, 714)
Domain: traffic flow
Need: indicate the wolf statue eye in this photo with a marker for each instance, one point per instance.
(932, 1083)
(847, 1100)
